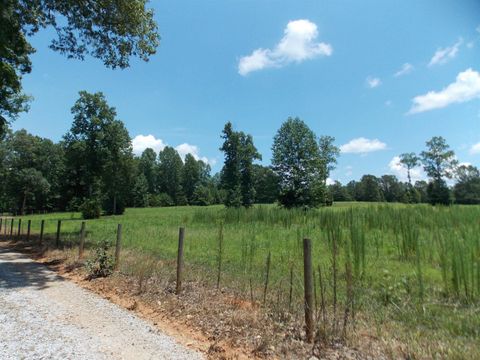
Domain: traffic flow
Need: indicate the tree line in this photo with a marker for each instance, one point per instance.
(93, 170)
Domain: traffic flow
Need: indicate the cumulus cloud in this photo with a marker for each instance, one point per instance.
(444, 55)
(185, 148)
(362, 145)
(141, 142)
(475, 149)
(373, 82)
(397, 169)
(330, 181)
(298, 44)
(406, 68)
(465, 88)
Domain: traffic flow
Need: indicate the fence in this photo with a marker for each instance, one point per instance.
(356, 260)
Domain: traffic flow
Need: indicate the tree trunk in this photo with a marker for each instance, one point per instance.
(114, 204)
(24, 203)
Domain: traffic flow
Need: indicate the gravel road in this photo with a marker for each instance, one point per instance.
(43, 316)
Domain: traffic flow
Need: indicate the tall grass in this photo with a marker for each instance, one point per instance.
(367, 257)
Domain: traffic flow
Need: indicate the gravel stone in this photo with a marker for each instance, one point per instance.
(43, 316)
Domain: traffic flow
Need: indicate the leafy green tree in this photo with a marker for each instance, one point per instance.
(392, 190)
(328, 156)
(266, 184)
(438, 162)
(339, 192)
(369, 189)
(140, 192)
(248, 153)
(110, 30)
(171, 175)
(409, 161)
(230, 176)
(421, 187)
(149, 168)
(296, 161)
(237, 177)
(99, 160)
(467, 188)
(191, 176)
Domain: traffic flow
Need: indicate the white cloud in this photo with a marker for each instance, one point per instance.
(362, 145)
(478, 29)
(470, 44)
(444, 55)
(406, 68)
(184, 149)
(298, 44)
(141, 142)
(330, 181)
(373, 82)
(396, 168)
(475, 149)
(465, 88)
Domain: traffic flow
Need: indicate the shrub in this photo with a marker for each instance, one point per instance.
(102, 263)
(91, 209)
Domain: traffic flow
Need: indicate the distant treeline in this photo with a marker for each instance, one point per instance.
(93, 170)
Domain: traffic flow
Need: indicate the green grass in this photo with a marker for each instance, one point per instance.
(415, 270)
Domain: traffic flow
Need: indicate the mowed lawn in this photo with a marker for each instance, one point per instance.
(415, 268)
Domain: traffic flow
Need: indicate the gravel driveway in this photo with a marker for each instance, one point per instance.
(43, 316)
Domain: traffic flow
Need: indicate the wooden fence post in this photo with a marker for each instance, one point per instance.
(1, 223)
(42, 227)
(11, 230)
(267, 275)
(29, 225)
(308, 284)
(57, 239)
(82, 241)
(181, 236)
(118, 246)
(19, 231)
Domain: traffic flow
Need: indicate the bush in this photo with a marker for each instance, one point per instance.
(91, 209)
(102, 263)
(162, 199)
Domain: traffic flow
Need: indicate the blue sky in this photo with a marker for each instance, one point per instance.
(382, 77)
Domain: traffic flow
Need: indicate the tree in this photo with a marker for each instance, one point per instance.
(296, 161)
(110, 30)
(392, 190)
(339, 192)
(439, 163)
(171, 175)
(410, 161)
(369, 189)
(237, 172)
(148, 167)
(467, 188)
(230, 177)
(140, 191)
(328, 156)
(98, 153)
(266, 184)
(248, 153)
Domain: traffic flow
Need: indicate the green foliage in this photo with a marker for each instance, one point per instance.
(110, 30)
(438, 192)
(438, 161)
(91, 208)
(410, 161)
(98, 153)
(102, 262)
(296, 161)
(171, 175)
(467, 189)
(237, 173)
(328, 156)
(140, 192)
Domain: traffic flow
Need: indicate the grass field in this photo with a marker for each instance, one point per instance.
(407, 273)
